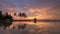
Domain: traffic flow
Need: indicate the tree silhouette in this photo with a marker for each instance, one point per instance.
(34, 20)
(1, 18)
(1, 15)
(14, 14)
(22, 15)
(9, 17)
(0, 12)
(6, 13)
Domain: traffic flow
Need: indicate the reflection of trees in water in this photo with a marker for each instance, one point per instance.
(5, 24)
(20, 26)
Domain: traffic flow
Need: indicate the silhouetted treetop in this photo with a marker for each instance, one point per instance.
(1, 16)
(22, 15)
(14, 14)
(0, 12)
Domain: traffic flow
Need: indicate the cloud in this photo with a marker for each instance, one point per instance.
(33, 8)
(55, 11)
(39, 13)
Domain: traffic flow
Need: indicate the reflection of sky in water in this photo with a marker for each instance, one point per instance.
(33, 28)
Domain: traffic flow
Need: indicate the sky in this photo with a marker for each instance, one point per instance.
(33, 8)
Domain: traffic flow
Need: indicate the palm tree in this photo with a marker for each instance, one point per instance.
(0, 14)
(6, 13)
(20, 14)
(24, 15)
(14, 14)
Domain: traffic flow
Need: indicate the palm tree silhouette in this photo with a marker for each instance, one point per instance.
(14, 14)
(22, 15)
(1, 16)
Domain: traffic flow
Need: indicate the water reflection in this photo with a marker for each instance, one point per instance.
(33, 28)
(5, 24)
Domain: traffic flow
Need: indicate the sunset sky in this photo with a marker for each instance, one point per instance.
(33, 8)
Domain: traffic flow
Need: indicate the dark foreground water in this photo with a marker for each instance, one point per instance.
(33, 28)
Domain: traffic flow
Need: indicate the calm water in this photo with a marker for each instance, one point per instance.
(33, 28)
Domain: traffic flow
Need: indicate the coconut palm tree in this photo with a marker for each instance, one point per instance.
(14, 14)
(22, 15)
(1, 15)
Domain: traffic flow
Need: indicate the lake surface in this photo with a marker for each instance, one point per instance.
(33, 28)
